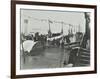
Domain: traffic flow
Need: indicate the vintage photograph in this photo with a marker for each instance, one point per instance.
(54, 39)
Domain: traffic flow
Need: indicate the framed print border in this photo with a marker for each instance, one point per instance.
(13, 38)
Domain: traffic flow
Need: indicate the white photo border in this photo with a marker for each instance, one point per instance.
(56, 70)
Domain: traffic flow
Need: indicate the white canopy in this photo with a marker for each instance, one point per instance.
(56, 37)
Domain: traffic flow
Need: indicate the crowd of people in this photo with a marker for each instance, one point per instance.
(43, 39)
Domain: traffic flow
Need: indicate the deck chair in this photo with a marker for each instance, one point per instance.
(79, 56)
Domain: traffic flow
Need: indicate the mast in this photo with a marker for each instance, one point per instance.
(49, 31)
(62, 28)
(79, 28)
